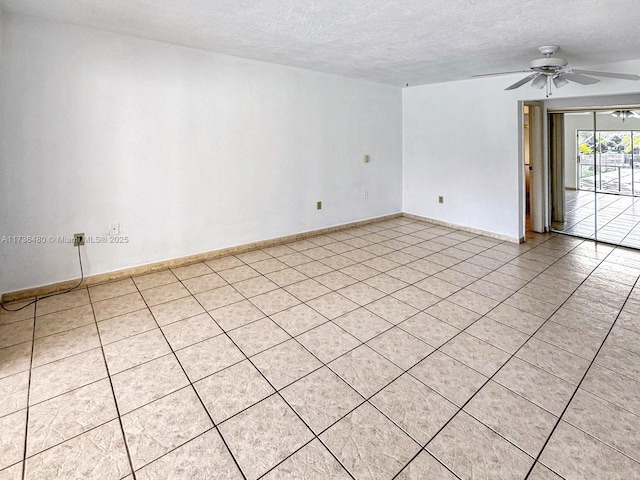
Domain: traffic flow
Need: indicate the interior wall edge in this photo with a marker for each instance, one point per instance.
(31, 292)
(478, 231)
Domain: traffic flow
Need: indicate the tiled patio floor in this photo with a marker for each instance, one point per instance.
(397, 349)
(618, 217)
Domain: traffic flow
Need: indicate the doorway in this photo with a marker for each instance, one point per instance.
(527, 169)
(594, 158)
(533, 177)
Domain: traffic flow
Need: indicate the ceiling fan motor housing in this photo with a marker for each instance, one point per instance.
(548, 64)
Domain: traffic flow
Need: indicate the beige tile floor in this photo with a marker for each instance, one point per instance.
(397, 349)
(618, 218)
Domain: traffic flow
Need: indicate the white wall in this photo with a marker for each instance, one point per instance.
(188, 150)
(454, 146)
(462, 140)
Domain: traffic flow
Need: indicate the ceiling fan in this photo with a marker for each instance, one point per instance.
(543, 71)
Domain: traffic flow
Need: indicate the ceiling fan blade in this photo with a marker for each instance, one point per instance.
(499, 73)
(623, 76)
(579, 78)
(519, 83)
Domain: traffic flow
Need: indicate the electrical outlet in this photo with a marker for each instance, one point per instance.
(366, 159)
(440, 199)
(114, 229)
(319, 205)
(78, 239)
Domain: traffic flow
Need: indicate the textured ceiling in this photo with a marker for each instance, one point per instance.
(410, 41)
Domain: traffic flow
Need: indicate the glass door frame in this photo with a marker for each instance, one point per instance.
(594, 111)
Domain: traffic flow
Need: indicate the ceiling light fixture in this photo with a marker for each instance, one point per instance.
(540, 81)
(624, 114)
(560, 82)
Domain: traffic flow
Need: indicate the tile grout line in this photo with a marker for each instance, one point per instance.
(264, 275)
(108, 376)
(511, 357)
(537, 459)
(57, 396)
(113, 392)
(193, 388)
(26, 426)
(29, 394)
(541, 243)
(275, 392)
(422, 448)
(323, 364)
(335, 254)
(367, 399)
(146, 308)
(391, 327)
(604, 259)
(620, 212)
(294, 338)
(360, 306)
(446, 246)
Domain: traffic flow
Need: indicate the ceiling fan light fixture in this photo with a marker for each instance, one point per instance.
(543, 71)
(560, 82)
(539, 82)
(624, 114)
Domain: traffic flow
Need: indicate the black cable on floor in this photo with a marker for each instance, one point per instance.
(3, 307)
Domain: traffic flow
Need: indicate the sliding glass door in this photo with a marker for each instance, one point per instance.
(616, 161)
(595, 174)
